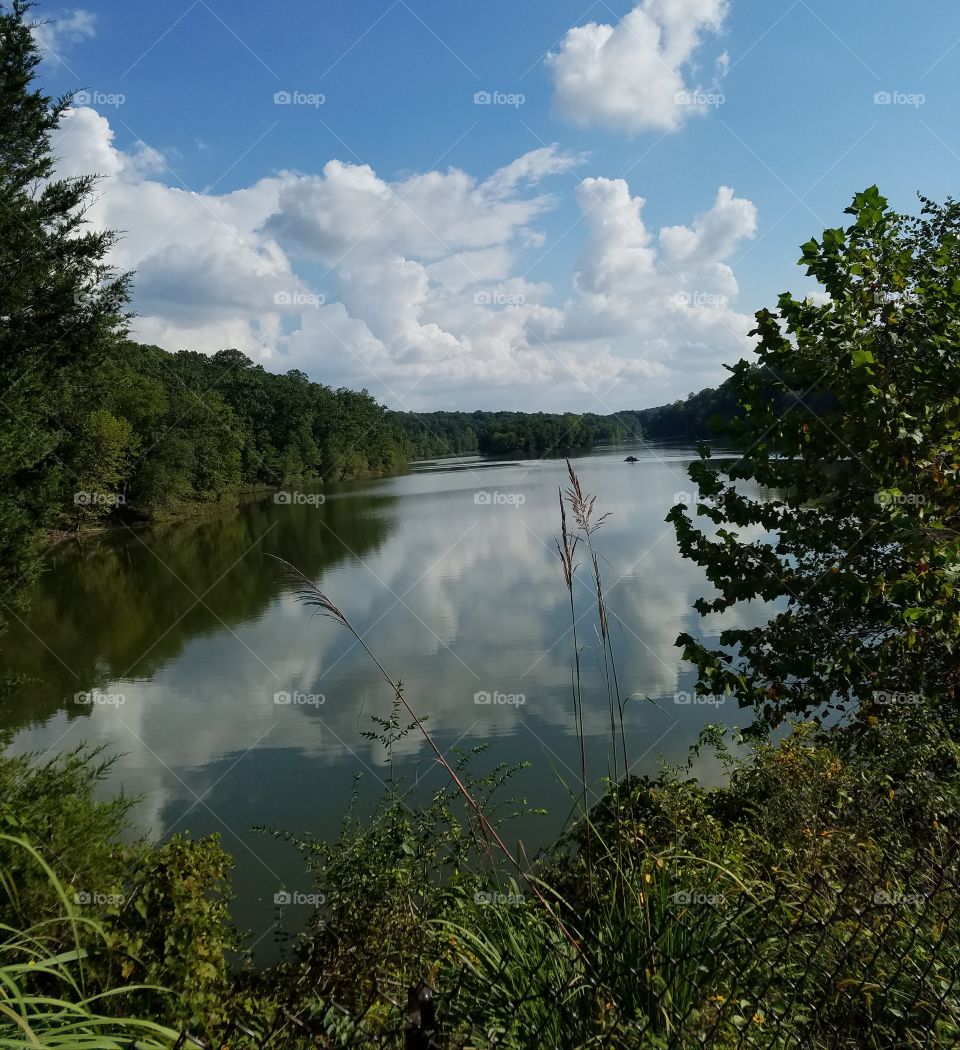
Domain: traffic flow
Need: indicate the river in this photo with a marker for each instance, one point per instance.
(182, 648)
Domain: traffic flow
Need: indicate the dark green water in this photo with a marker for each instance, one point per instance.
(187, 634)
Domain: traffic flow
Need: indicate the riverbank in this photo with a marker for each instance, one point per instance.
(671, 916)
(139, 518)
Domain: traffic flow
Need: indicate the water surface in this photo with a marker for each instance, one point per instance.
(188, 636)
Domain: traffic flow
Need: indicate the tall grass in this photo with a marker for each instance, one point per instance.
(44, 998)
(587, 522)
(673, 916)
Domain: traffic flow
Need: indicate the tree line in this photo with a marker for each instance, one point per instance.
(509, 433)
(96, 426)
(173, 429)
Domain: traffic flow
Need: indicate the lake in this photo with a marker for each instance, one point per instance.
(183, 648)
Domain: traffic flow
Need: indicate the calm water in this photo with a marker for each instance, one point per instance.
(188, 633)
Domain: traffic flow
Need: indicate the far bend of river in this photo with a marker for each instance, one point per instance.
(192, 631)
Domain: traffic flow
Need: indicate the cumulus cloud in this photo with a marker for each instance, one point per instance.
(638, 75)
(416, 287)
(671, 294)
(56, 35)
(349, 214)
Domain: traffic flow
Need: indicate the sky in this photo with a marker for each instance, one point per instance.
(539, 205)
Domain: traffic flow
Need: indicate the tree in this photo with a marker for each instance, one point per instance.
(105, 450)
(60, 306)
(851, 431)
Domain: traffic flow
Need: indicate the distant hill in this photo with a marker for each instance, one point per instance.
(507, 433)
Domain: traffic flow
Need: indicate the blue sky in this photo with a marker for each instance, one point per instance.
(404, 267)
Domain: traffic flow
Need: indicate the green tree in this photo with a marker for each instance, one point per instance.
(60, 305)
(104, 451)
(851, 426)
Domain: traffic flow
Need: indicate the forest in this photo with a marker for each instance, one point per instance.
(805, 894)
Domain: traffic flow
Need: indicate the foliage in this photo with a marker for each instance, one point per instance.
(153, 915)
(45, 994)
(505, 433)
(696, 418)
(210, 426)
(60, 306)
(811, 899)
(673, 915)
(382, 888)
(97, 427)
(172, 925)
(52, 805)
(851, 424)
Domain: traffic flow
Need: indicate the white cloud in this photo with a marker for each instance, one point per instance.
(672, 295)
(636, 76)
(532, 167)
(56, 35)
(349, 214)
(415, 287)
